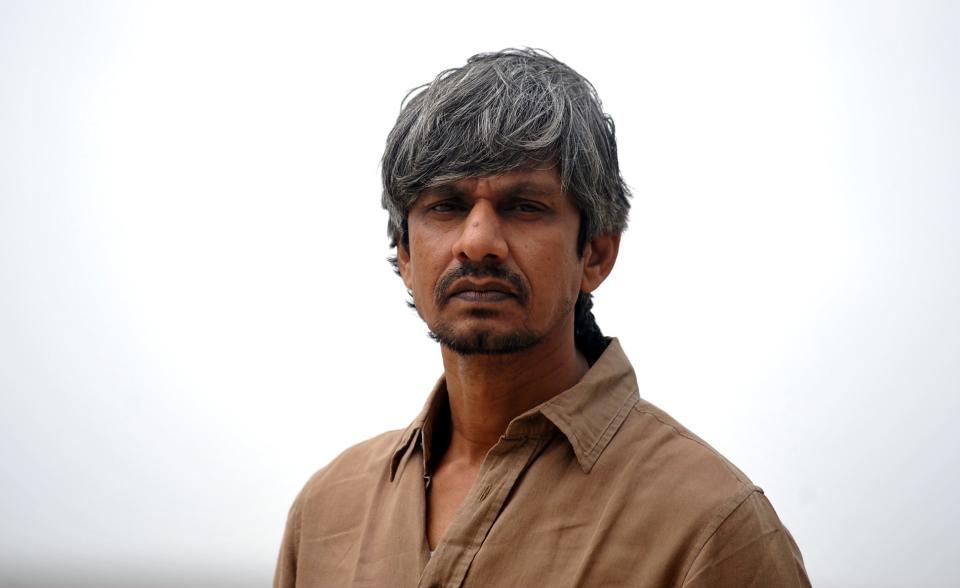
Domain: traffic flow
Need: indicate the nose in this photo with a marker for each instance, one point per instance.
(481, 239)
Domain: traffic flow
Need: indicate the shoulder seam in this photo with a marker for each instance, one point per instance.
(736, 501)
(691, 437)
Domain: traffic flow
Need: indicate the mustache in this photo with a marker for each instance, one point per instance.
(471, 270)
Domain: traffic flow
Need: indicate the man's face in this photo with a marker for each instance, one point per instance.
(492, 261)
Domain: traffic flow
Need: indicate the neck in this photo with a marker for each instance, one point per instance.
(486, 392)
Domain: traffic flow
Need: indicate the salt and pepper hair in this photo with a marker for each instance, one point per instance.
(503, 111)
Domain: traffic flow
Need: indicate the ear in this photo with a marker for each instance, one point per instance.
(403, 265)
(599, 255)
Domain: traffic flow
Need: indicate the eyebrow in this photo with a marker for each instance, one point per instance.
(444, 191)
(530, 188)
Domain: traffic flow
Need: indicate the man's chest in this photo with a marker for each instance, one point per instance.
(446, 491)
(533, 517)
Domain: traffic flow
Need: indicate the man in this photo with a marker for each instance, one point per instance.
(534, 461)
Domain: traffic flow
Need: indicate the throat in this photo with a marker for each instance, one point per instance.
(487, 392)
(449, 486)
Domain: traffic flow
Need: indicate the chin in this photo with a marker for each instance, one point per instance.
(485, 341)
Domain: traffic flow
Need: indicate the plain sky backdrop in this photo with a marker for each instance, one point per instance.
(196, 312)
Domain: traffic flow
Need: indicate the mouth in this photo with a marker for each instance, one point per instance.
(481, 293)
(481, 287)
(479, 297)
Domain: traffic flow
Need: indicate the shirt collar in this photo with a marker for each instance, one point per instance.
(421, 428)
(588, 414)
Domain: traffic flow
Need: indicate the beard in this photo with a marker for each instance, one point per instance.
(484, 341)
(480, 340)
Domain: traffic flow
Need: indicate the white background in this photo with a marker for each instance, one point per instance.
(196, 311)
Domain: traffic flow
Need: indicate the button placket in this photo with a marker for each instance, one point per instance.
(498, 475)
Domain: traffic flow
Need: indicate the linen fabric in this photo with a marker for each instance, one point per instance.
(595, 487)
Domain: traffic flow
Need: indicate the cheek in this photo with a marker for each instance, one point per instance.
(560, 275)
(426, 267)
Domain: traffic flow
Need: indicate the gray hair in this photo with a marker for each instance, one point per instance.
(499, 112)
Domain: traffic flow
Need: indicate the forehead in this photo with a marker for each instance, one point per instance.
(522, 182)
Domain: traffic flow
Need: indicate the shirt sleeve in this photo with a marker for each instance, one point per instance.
(285, 575)
(750, 548)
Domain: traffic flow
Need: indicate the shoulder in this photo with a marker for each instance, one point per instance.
(648, 444)
(750, 546)
(680, 487)
(658, 443)
(333, 500)
(364, 463)
(340, 492)
(723, 518)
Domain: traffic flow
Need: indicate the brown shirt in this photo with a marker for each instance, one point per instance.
(594, 487)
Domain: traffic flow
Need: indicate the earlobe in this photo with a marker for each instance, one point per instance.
(599, 256)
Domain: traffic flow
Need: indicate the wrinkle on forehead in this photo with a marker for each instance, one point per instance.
(526, 181)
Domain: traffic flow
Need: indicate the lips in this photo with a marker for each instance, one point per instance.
(480, 292)
(478, 284)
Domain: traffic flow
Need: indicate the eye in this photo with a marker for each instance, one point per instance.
(527, 207)
(445, 207)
